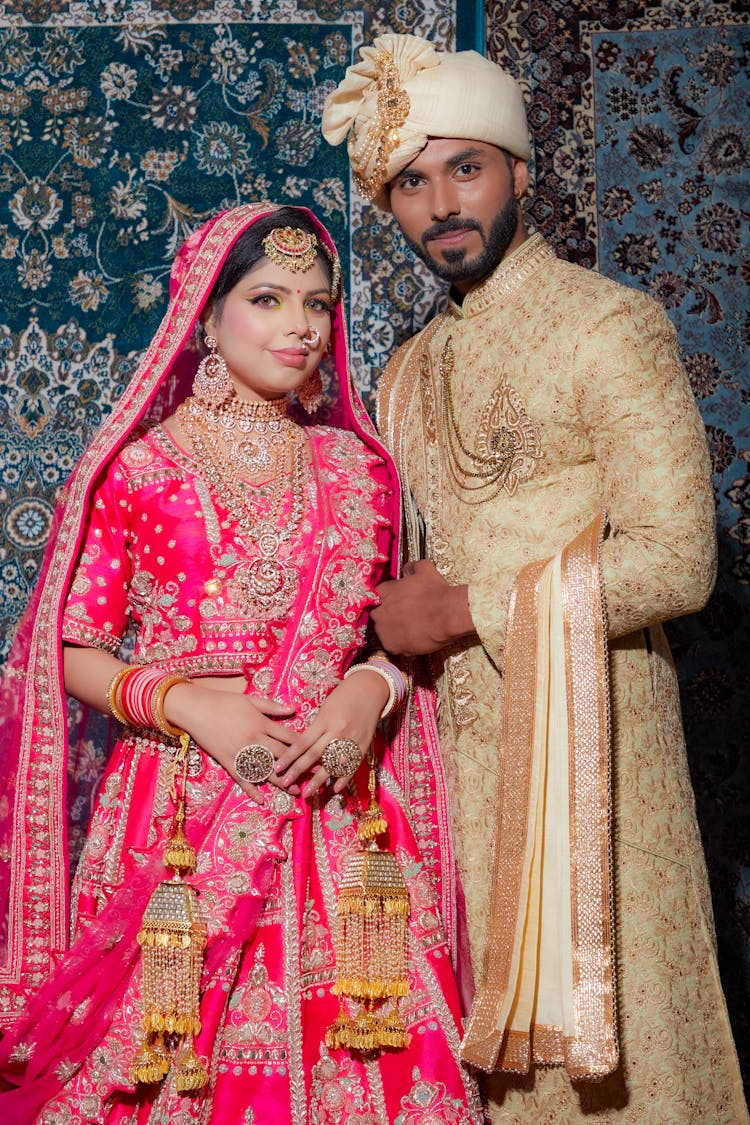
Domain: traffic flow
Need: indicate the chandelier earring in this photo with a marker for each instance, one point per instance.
(310, 394)
(212, 384)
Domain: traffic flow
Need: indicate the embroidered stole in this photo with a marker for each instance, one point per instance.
(548, 987)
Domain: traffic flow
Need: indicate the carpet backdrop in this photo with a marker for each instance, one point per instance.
(642, 149)
(122, 126)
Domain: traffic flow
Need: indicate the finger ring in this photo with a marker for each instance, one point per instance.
(341, 757)
(254, 763)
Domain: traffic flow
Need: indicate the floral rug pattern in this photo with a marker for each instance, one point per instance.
(642, 151)
(121, 130)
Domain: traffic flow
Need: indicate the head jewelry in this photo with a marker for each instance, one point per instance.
(291, 248)
(403, 92)
(296, 250)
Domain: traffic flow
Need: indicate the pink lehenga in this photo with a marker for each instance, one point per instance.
(136, 539)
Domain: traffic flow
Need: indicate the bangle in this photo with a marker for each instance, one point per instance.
(397, 686)
(137, 693)
(401, 682)
(391, 701)
(112, 693)
(399, 677)
(160, 720)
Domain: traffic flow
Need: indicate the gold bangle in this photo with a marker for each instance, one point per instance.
(157, 707)
(113, 689)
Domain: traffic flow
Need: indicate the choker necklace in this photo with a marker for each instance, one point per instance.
(234, 442)
(246, 436)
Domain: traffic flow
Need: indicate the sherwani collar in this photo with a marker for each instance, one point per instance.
(513, 272)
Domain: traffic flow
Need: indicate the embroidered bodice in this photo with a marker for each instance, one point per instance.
(163, 552)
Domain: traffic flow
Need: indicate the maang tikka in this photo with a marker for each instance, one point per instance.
(296, 250)
(212, 384)
(291, 248)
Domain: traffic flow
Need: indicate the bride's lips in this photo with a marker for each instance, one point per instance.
(291, 357)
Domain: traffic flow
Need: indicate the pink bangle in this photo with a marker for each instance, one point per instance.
(136, 697)
(393, 670)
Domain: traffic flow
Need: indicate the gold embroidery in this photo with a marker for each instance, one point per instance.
(510, 275)
(461, 698)
(507, 432)
(393, 110)
(507, 445)
(428, 411)
(405, 388)
(495, 1036)
(594, 1048)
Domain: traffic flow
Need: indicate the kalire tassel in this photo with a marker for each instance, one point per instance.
(371, 947)
(172, 940)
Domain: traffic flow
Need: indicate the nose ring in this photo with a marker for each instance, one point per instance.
(311, 338)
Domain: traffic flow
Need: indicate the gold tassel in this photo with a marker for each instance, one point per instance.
(179, 852)
(190, 1073)
(371, 947)
(172, 940)
(368, 1032)
(151, 1064)
(372, 822)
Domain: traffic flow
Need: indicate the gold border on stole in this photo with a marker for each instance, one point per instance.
(525, 977)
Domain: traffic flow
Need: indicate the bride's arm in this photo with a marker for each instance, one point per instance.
(218, 717)
(88, 673)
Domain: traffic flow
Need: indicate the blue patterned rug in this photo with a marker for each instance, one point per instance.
(642, 151)
(117, 138)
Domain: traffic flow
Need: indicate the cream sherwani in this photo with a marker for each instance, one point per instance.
(579, 379)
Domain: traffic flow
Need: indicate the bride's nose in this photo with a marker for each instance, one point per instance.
(299, 325)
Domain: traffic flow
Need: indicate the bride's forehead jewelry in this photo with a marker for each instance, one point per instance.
(296, 250)
(291, 248)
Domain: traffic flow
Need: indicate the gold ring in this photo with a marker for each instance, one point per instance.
(254, 763)
(341, 757)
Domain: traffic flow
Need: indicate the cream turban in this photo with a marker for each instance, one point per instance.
(403, 92)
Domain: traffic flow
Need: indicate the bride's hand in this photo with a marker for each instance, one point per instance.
(351, 711)
(221, 722)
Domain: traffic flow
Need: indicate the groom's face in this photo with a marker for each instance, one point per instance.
(457, 205)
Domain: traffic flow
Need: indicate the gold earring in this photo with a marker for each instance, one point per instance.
(212, 384)
(310, 394)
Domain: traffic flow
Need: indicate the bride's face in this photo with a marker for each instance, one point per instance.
(263, 323)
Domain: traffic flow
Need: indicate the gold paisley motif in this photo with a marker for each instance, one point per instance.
(507, 433)
(506, 447)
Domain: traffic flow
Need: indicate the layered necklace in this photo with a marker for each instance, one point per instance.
(484, 468)
(252, 451)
